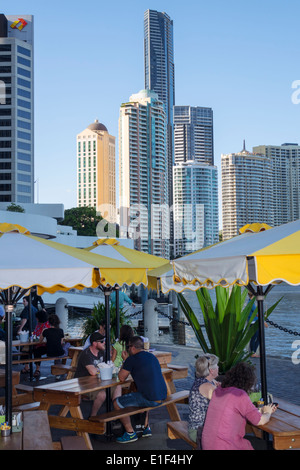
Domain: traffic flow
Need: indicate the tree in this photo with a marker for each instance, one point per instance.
(15, 208)
(83, 219)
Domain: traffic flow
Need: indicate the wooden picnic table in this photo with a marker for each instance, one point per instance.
(284, 426)
(68, 394)
(35, 434)
(74, 341)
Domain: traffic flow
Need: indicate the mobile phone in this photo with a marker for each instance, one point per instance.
(275, 403)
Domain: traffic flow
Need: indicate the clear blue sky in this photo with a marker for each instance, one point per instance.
(238, 57)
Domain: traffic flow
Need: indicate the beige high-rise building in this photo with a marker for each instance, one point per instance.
(247, 195)
(96, 172)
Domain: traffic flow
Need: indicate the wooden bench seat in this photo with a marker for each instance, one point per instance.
(62, 369)
(179, 372)
(179, 430)
(177, 397)
(39, 359)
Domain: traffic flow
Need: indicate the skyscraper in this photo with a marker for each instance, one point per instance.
(195, 180)
(144, 210)
(196, 211)
(247, 195)
(160, 74)
(96, 177)
(16, 109)
(285, 160)
(193, 134)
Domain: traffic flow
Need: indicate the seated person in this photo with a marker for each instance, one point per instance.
(87, 365)
(229, 410)
(206, 371)
(54, 336)
(2, 316)
(151, 387)
(40, 348)
(24, 325)
(101, 330)
(121, 345)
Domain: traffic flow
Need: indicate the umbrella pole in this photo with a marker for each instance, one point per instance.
(117, 312)
(262, 345)
(107, 293)
(8, 361)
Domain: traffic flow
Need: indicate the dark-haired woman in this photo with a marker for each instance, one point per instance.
(39, 349)
(54, 338)
(229, 410)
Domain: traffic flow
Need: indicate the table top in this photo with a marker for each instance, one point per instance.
(79, 386)
(34, 343)
(285, 421)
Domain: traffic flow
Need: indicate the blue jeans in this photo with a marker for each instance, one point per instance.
(135, 399)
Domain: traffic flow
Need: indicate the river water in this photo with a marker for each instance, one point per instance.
(278, 343)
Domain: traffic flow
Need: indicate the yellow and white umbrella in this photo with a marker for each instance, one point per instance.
(261, 259)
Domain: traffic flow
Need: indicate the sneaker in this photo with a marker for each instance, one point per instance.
(127, 437)
(147, 432)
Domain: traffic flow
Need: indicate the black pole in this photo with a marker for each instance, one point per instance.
(30, 333)
(117, 311)
(107, 293)
(262, 344)
(8, 360)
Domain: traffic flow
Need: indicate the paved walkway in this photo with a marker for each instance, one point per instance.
(283, 379)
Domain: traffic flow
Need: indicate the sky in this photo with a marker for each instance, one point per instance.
(239, 58)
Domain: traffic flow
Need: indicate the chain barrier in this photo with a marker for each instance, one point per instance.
(291, 332)
(281, 328)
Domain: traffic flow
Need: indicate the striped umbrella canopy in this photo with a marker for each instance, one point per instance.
(257, 260)
(28, 261)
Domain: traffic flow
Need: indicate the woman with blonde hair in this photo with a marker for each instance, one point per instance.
(206, 371)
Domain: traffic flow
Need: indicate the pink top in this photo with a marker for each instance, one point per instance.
(225, 422)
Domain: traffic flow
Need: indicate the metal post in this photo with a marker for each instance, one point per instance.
(8, 360)
(262, 345)
(107, 293)
(117, 289)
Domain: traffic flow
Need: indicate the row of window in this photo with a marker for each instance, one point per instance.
(20, 49)
(5, 155)
(21, 113)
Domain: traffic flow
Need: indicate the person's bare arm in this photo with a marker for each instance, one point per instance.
(92, 370)
(123, 374)
(268, 410)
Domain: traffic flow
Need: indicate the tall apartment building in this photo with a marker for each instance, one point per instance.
(285, 161)
(16, 109)
(193, 134)
(196, 212)
(247, 195)
(160, 73)
(96, 174)
(144, 211)
(195, 180)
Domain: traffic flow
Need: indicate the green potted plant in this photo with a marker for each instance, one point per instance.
(227, 324)
(92, 322)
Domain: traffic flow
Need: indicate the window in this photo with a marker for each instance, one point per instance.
(24, 104)
(5, 69)
(5, 176)
(5, 58)
(5, 47)
(5, 122)
(4, 155)
(5, 144)
(5, 133)
(5, 165)
(24, 125)
(21, 177)
(24, 51)
(24, 199)
(24, 146)
(5, 198)
(24, 83)
(24, 114)
(5, 187)
(24, 189)
(24, 93)
(24, 135)
(5, 112)
(23, 167)
(23, 61)
(24, 156)
(25, 73)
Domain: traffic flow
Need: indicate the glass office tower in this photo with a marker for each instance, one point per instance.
(16, 109)
(159, 74)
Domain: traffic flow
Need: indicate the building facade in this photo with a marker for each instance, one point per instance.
(144, 210)
(285, 161)
(96, 174)
(160, 74)
(16, 109)
(247, 195)
(193, 134)
(196, 211)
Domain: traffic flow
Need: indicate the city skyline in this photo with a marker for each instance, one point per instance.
(237, 59)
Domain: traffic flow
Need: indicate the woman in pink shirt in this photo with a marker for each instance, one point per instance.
(229, 410)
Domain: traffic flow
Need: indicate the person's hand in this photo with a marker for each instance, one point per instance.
(269, 408)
